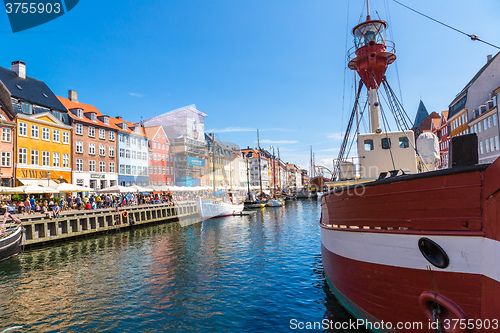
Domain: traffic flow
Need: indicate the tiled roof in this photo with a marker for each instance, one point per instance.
(31, 90)
(478, 74)
(116, 123)
(85, 108)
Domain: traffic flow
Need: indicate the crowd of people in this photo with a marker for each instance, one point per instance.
(53, 207)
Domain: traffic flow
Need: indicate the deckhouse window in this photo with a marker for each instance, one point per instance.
(386, 143)
(368, 144)
(404, 142)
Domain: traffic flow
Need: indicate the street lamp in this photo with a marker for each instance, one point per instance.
(48, 178)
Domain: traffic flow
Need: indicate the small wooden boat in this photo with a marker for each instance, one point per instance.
(10, 239)
(274, 203)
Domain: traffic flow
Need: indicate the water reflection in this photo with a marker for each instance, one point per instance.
(235, 274)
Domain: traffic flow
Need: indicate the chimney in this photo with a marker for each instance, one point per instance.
(73, 96)
(118, 117)
(488, 57)
(20, 68)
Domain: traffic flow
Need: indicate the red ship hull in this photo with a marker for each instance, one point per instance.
(370, 246)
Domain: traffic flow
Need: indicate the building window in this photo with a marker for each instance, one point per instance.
(23, 156)
(111, 166)
(487, 146)
(34, 131)
(492, 144)
(23, 129)
(79, 164)
(127, 153)
(6, 158)
(102, 134)
(34, 157)
(127, 169)
(122, 169)
(56, 135)
(163, 157)
(91, 132)
(79, 129)
(106, 120)
(495, 120)
(151, 169)
(154, 144)
(134, 154)
(45, 158)
(121, 137)
(27, 108)
(144, 156)
(56, 159)
(91, 148)
(154, 156)
(91, 165)
(154, 170)
(102, 150)
(79, 113)
(93, 116)
(65, 160)
(163, 171)
(111, 151)
(122, 152)
(79, 147)
(497, 146)
(6, 134)
(134, 170)
(102, 166)
(45, 133)
(124, 126)
(66, 137)
(111, 136)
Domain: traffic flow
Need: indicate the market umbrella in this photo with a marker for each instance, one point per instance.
(137, 188)
(28, 189)
(6, 189)
(115, 189)
(65, 187)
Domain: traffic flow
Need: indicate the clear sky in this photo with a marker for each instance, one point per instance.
(276, 65)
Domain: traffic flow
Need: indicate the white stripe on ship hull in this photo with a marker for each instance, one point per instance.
(474, 255)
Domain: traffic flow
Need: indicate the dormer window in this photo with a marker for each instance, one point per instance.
(93, 116)
(136, 129)
(27, 108)
(124, 126)
(79, 113)
(106, 120)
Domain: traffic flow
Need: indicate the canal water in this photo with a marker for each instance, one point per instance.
(260, 273)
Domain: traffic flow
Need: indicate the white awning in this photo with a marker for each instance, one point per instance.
(39, 182)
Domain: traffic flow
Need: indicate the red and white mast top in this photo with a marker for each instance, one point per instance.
(373, 53)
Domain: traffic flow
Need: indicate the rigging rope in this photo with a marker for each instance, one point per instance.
(471, 36)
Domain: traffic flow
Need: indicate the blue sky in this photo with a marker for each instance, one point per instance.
(276, 65)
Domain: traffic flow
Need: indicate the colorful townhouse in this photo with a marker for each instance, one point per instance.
(7, 148)
(439, 127)
(94, 145)
(253, 157)
(161, 164)
(132, 153)
(42, 134)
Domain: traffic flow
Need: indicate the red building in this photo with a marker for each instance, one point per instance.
(6, 148)
(161, 164)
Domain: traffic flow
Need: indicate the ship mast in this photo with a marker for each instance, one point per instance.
(260, 171)
(370, 60)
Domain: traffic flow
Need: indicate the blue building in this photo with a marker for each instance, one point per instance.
(132, 153)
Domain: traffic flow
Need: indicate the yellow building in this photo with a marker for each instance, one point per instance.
(43, 150)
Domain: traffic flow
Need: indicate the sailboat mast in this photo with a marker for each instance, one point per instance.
(260, 171)
(274, 173)
(279, 168)
(213, 161)
(248, 178)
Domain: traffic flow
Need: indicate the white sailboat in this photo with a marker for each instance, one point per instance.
(208, 207)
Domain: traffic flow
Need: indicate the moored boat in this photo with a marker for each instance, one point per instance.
(209, 208)
(392, 252)
(274, 203)
(10, 239)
